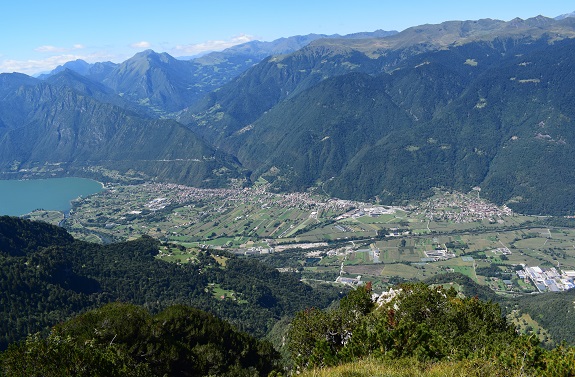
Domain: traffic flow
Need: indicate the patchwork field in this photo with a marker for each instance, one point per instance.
(328, 237)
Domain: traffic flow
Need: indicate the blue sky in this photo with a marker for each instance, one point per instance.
(37, 36)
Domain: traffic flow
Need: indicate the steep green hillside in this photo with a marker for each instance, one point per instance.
(249, 96)
(317, 134)
(508, 132)
(455, 118)
(68, 79)
(246, 98)
(46, 277)
(60, 130)
(158, 81)
(554, 312)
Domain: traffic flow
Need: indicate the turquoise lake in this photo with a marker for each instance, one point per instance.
(21, 197)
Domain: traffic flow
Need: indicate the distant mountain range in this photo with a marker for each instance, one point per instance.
(68, 125)
(381, 116)
(166, 84)
(388, 118)
(572, 14)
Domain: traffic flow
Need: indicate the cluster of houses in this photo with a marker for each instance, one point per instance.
(256, 250)
(156, 204)
(549, 279)
(462, 208)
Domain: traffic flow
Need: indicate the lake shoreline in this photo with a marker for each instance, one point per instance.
(24, 196)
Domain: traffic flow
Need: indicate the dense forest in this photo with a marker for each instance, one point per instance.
(126, 340)
(47, 276)
(422, 327)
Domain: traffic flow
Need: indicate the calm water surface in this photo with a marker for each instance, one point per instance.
(21, 197)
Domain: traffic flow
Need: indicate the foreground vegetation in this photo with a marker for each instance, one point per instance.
(419, 330)
(125, 340)
(416, 330)
(372, 367)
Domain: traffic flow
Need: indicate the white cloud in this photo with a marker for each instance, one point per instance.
(55, 56)
(142, 44)
(31, 67)
(50, 49)
(35, 66)
(54, 49)
(217, 45)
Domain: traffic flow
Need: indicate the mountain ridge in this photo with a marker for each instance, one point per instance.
(166, 84)
(281, 77)
(60, 127)
(445, 117)
(261, 99)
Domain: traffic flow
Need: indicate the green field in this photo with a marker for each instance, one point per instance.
(382, 244)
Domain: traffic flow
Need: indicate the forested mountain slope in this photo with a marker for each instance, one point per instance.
(375, 116)
(491, 113)
(64, 131)
(47, 276)
(247, 97)
(125, 340)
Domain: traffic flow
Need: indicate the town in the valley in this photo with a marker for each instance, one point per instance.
(334, 240)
